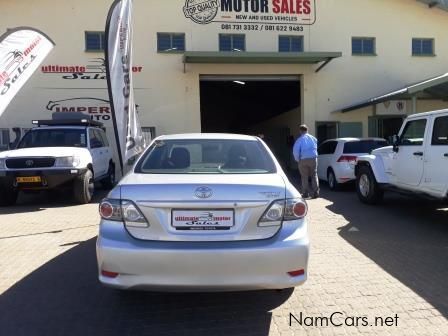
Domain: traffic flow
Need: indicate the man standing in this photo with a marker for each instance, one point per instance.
(305, 153)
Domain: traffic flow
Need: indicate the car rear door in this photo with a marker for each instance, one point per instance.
(408, 162)
(436, 159)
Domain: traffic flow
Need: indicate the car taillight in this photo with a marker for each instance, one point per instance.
(283, 211)
(108, 274)
(122, 211)
(132, 215)
(300, 209)
(295, 209)
(110, 209)
(297, 273)
(274, 213)
(348, 158)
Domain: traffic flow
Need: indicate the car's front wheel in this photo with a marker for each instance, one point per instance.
(367, 188)
(332, 181)
(84, 187)
(8, 196)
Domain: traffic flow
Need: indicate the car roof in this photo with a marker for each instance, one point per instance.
(427, 114)
(355, 139)
(58, 127)
(64, 127)
(209, 136)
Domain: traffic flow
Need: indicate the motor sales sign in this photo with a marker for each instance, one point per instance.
(291, 12)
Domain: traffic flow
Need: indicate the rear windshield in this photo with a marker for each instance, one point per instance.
(54, 138)
(363, 146)
(206, 156)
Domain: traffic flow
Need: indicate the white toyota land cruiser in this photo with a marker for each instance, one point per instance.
(417, 163)
(58, 153)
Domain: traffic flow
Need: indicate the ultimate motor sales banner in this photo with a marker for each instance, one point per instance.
(128, 132)
(22, 50)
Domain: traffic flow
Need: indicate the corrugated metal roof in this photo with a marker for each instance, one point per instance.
(436, 88)
(442, 4)
(244, 57)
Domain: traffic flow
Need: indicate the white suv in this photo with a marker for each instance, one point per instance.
(417, 163)
(337, 158)
(72, 153)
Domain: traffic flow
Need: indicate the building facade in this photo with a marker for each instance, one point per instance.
(246, 66)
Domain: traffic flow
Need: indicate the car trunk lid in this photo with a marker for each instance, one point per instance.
(203, 207)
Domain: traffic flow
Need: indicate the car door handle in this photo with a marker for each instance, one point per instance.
(445, 155)
(418, 154)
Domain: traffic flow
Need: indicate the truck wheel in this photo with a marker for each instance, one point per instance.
(84, 187)
(367, 188)
(332, 182)
(109, 181)
(8, 196)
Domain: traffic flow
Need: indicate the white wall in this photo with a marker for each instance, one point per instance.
(169, 98)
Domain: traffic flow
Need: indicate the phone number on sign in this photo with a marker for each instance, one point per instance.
(261, 27)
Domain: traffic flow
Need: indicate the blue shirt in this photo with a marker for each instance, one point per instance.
(305, 147)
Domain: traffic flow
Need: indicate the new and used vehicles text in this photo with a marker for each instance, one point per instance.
(58, 153)
(204, 212)
(417, 163)
(337, 158)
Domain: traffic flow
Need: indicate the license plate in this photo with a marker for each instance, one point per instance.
(29, 179)
(202, 220)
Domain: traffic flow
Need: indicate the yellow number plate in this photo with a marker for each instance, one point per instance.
(29, 179)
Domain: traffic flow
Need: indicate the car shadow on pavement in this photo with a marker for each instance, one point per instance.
(35, 202)
(64, 297)
(407, 237)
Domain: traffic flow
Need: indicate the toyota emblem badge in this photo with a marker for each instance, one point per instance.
(29, 163)
(203, 192)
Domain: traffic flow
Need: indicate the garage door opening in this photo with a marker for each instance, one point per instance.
(268, 106)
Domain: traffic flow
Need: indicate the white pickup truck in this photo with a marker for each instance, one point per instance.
(416, 164)
(58, 153)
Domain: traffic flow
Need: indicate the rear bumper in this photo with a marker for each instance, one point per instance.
(345, 172)
(202, 266)
(51, 178)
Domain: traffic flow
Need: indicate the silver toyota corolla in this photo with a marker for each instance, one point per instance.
(204, 212)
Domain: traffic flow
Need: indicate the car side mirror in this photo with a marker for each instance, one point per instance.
(396, 143)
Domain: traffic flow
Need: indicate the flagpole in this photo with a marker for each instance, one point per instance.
(109, 83)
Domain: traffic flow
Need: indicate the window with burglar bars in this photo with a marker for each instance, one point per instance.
(363, 46)
(232, 42)
(170, 42)
(95, 41)
(423, 47)
(290, 43)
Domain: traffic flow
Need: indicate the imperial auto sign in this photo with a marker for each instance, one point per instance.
(98, 109)
(290, 12)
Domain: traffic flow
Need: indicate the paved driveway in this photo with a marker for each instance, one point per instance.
(368, 265)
